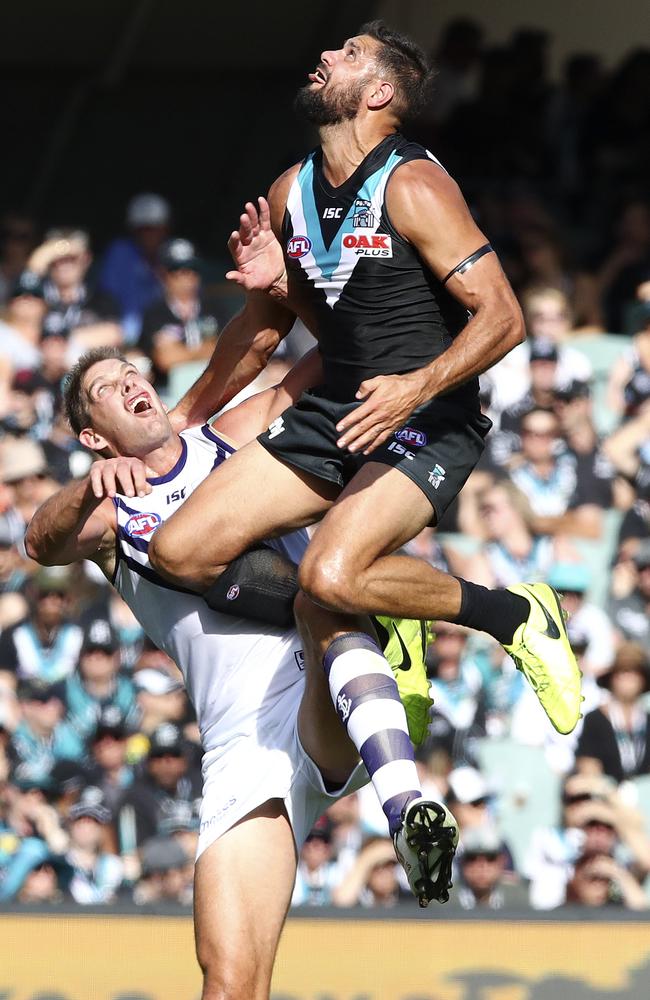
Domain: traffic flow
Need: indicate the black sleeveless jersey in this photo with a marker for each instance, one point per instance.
(363, 290)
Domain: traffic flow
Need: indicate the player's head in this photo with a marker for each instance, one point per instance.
(112, 408)
(378, 72)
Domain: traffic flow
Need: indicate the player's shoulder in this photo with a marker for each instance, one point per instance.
(280, 187)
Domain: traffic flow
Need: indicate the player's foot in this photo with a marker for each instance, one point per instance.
(425, 846)
(541, 650)
(404, 642)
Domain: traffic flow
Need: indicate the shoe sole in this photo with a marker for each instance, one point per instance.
(424, 832)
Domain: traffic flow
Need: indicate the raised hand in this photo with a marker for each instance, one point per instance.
(257, 253)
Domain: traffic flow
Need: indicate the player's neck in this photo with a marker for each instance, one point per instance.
(162, 460)
(346, 145)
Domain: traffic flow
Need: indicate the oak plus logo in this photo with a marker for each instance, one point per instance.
(298, 246)
(369, 244)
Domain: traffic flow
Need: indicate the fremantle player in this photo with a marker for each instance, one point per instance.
(270, 735)
(382, 260)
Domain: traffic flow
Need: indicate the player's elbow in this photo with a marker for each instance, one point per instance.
(36, 549)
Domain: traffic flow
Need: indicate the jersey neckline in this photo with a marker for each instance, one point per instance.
(352, 180)
(180, 465)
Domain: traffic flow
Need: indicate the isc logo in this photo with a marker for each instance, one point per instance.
(409, 435)
(375, 245)
(399, 449)
(298, 246)
(142, 524)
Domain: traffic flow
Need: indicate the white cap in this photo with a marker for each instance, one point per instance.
(155, 681)
(467, 785)
(147, 210)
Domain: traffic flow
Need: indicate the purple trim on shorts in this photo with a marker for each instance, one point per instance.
(352, 640)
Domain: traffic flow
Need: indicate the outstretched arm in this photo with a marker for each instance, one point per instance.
(241, 353)
(426, 207)
(78, 522)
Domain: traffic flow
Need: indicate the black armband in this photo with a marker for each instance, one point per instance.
(261, 584)
(469, 261)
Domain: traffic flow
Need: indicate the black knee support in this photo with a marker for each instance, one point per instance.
(261, 584)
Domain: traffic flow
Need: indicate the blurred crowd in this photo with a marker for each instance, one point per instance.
(99, 749)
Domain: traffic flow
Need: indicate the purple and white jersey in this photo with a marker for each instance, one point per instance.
(239, 674)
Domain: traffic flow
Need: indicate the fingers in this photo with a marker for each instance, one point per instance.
(96, 483)
(127, 476)
(139, 475)
(265, 214)
(108, 481)
(361, 430)
(252, 215)
(237, 277)
(367, 387)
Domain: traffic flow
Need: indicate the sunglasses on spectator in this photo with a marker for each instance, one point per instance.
(534, 432)
(23, 479)
(574, 800)
(486, 855)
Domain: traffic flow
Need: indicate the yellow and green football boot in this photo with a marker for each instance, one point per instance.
(404, 642)
(541, 650)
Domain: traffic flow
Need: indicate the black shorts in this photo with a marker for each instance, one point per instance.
(437, 449)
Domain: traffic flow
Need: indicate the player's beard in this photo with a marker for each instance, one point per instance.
(321, 107)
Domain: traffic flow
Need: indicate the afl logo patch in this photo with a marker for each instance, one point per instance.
(411, 436)
(298, 246)
(142, 524)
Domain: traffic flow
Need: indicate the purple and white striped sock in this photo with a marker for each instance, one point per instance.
(367, 702)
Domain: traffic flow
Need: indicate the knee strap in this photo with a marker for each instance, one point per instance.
(260, 584)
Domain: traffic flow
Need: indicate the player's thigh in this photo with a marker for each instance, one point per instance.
(243, 886)
(250, 497)
(379, 510)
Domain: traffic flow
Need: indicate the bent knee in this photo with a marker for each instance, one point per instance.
(328, 582)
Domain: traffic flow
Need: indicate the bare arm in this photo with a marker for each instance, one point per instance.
(169, 352)
(78, 522)
(426, 207)
(241, 353)
(622, 447)
(73, 524)
(250, 418)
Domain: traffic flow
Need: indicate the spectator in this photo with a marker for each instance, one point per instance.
(24, 473)
(20, 333)
(594, 818)
(96, 873)
(317, 873)
(615, 738)
(46, 645)
(599, 881)
(626, 264)
(542, 365)
(160, 698)
(108, 768)
(183, 325)
(469, 800)
(628, 449)
(629, 382)
(630, 612)
(16, 241)
(45, 882)
(96, 684)
(75, 311)
(41, 737)
(166, 873)
(512, 549)
(372, 880)
(129, 270)
(167, 780)
(14, 571)
(571, 579)
(547, 478)
(456, 685)
(482, 867)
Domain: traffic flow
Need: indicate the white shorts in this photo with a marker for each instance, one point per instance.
(268, 764)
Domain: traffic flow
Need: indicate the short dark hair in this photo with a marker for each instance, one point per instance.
(406, 64)
(74, 397)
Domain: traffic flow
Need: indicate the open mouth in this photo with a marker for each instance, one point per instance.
(318, 76)
(141, 403)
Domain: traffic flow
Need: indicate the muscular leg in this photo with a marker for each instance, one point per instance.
(242, 890)
(348, 565)
(250, 497)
